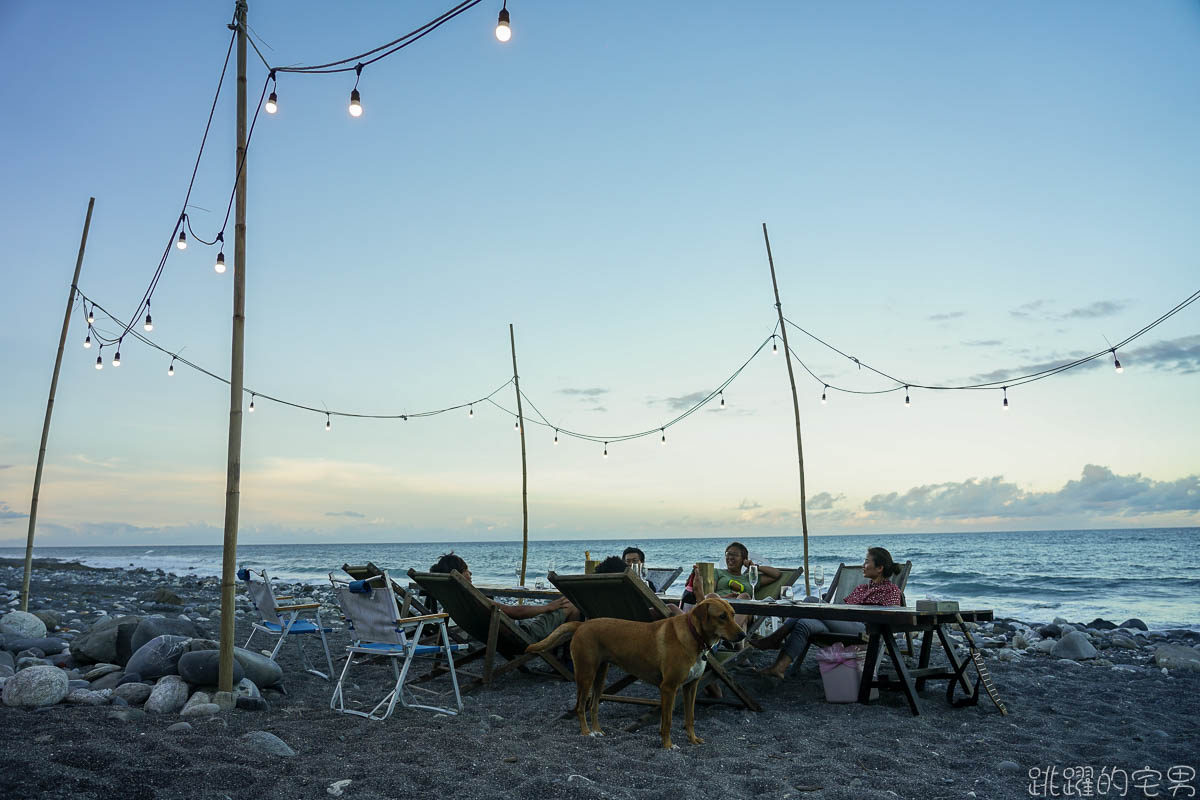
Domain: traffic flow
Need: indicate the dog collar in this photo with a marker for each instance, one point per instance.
(696, 634)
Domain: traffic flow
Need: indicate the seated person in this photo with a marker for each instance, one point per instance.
(612, 564)
(793, 636)
(634, 556)
(536, 620)
(733, 581)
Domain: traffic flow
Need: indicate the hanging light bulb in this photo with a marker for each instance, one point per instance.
(774, 347)
(907, 402)
(100, 358)
(503, 31)
(326, 421)
(663, 431)
(272, 104)
(556, 435)
(1005, 406)
(171, 368)
(182, 242)
(606, 449)
(823, 393)
(252, 396)
(220, 265)
(356, 99)
(91, 315)
(1116, 362)
(149, 324)
(117, 358)
(471, 411)
(516, 425)
(87, 342)
(722, 398)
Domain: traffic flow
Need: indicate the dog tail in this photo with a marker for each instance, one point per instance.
(556, 637)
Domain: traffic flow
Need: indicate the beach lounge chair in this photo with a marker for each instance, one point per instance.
(379, 630)
(845, 580)
(625, 596)
(661, 579)
(283, 620)
(483, 620)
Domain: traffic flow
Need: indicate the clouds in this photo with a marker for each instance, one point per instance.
(353, 514)
(590, 395)
(8, 513)
(823, 501)
(1038, 311)
(1180, 356)
(685, 401)
(945, 316)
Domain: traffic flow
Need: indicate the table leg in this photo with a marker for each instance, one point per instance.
(926, 647)
(960, 667)
(868, 677)
(906, 681)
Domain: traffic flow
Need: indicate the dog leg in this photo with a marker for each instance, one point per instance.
(598, 689)
(668, 707)
(689, 711)
(584, 673)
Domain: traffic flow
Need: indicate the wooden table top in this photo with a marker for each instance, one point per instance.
(878, 615)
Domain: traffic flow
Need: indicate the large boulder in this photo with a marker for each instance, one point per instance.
(49, 618)
(23, 625)
(158, 657)
(35, 687)
(49, 645)
(110, 680)
(1075, 646)
(1171, 656)
(152, 627)
(203, 668)
(264, 672)
(1135, 624)
(168, 695)
(133, 693)
(108, 642)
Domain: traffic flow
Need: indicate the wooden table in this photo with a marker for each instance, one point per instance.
(527, 592)
(882, 623)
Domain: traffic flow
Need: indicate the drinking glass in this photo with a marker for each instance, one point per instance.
(753, 578)
(517, 572)
(787, 594)
(819, 578)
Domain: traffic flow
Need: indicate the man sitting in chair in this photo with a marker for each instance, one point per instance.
(536, 620)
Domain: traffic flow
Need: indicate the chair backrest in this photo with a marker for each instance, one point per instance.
(405, 599)
(261, 593)
(848, 577)
(787, 577)
(370, 607)
(621, 595)
(469, 608)
(662, 578)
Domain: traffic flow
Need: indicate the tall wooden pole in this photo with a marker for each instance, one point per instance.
(37, 476)
(795, 408)
(233, 475)
(524, 471)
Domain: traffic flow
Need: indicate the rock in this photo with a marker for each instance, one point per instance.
(197, 698)
(110, 681)
(1075, 646)
(1102, 625)
(168, 695)
(162, 596)
(225, 700)
(108, 642)
(269, 743)
(198, 643)
(337, 787)
(179, 727)
(74, 683)
(86, 697)
(1059, 621)
(135, 694)
(203, 668)
(23, 662)
(1123, 641)
(1045, 645)
(1009, 766)
(246, 688)
(130, 677)
(252, 704)
(1135, 624)
(48, 618)
(1066, 629)
(1168, 656)
(261, 670)
(99, 671)
(157, 657)
(1019, 642)
(1050, 631)
(36, 687)
(6, 659)
(127, 714)
(49, 645)
(201, 710)
(1007, 655)
(23, 625)
(155, 626)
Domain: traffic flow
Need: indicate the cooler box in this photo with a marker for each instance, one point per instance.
(841, 672)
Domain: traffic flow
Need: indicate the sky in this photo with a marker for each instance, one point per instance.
(955, 194)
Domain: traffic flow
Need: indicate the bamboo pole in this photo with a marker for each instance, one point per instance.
(795, 408)
(524, 470)
(233, 476)
(62, 342)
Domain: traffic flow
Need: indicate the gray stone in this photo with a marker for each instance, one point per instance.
(168, 695)
(197, 698)
(1045, 645)
(264, 672)
(252, 704)
(99, 671)
(1019, 641)
(86, 697)
(1067, 629)
(152, 627)
(225, 700)
(1123, 641)
(24, 662)
(76, 683)
(6, 659)
(134, 693)
(36, 687)
(269, 743)
(161, 595)
(49, 645)
(179, 727)
(157, 657)
(1050, 631)
(1168, 656)
(108, 641)
(198, 643)
(1009, 766)
(48, 618)
(110, 681)
(1135, 623)
(1059, 621)
(200, 710)
(203, 668)
(22, 624)
(6, 671)
(1075, 646)
(1101, 625)
(246, 688)
(130, 677)
(127, 714)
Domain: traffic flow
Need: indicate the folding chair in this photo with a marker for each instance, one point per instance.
(662, 578)
(378, 630)
(847, 578)
(283, 620)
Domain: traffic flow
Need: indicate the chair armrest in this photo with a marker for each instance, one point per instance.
(299, 607)
(422, 618)
(284, 596)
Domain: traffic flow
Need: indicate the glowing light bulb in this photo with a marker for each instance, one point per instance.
(556, 436)
(471, 411)
(355, 103)
(1116, 362)
(1005, 406)
(252, 396)
(182, 243)
(503, 31)
(907, 402)
(606, 449)
(516, 426)
(272, 104)
(117, 359)
(171, 369)
(823, 394)
(220, 265)
(149, 323)
(664, 435)
(722, 399)
(99, 362)
(91, 315)
(774, 347)
(87, 342)
(326, 422)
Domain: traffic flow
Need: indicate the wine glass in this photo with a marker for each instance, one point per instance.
(787, 594)
(819, 579)
(550, 567)
(753, 575)
(517, 571)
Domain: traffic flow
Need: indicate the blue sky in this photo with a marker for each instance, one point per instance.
(955, 193)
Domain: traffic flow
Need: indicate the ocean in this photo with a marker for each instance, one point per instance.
(1033, 576)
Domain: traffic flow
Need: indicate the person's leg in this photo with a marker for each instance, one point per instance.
(774, 641)
(794, 645)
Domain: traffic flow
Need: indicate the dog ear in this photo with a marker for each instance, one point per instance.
(701, 611)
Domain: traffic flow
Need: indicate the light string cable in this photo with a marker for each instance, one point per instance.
(1007, 383)
(254, 393)
(181, 220)
(657, 429)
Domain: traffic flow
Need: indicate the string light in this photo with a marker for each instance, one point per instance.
(117, 357)
(326, 420)
(503, 31)
(220, 265)
(356, 109)
(272, 104)
(907, 402)
(91, 315)
(722, 393)
(663, 431)
(182, 243)
(252, 396)
(87, 342)
(556, 435)
(1117, 363)
(471, 411)
(606, 449)
(149, 325)
(171, 368)
(823, 391)
(100, 358)
(1005, 406)
(774, 346)
(516, 425)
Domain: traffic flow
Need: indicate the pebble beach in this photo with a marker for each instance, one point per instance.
(1097, 706)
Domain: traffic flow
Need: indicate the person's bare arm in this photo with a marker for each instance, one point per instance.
(770, 573)
(533, 610)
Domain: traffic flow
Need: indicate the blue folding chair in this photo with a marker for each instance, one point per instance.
(377, 629)
(283, 620)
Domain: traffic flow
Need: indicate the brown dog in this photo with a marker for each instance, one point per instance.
(661, 652)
